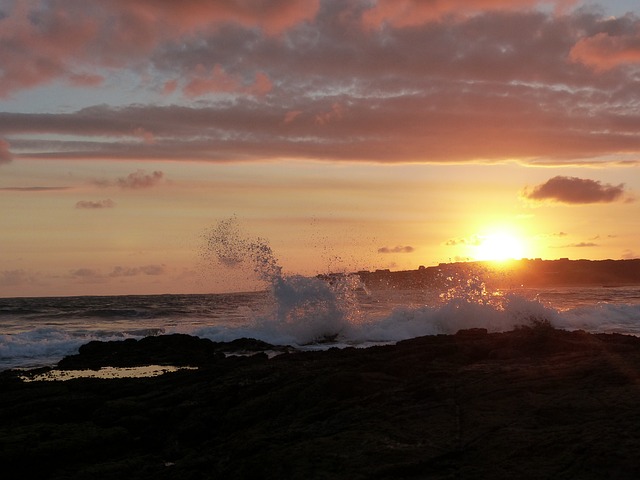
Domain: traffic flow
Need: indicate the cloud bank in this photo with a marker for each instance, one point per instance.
(573, 190)
(543, 82)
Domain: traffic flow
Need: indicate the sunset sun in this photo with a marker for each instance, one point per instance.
(499, 246)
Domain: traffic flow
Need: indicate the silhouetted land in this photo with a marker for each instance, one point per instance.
(526, 273)
(534, 403)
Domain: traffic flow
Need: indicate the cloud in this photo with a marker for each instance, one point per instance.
(34, 189)
(87, 204)
(581, 245)
(87, 275)
(473, 240)
(336, 113)
(139, 179)
(152, 270)
(136, 180)
(629, 255)
(86, 80)
(218, 81)
(12, 278)
(398, 249)
(291, 115)
(5, 154)
(386, 81)
(573, 190)
(45, 42)
(612, 48)
(411, 13)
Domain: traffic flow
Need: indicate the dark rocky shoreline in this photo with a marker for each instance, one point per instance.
(531, 403)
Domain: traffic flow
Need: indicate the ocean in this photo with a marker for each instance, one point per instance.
(306, 313)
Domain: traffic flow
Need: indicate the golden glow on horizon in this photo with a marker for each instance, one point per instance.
(499, 246)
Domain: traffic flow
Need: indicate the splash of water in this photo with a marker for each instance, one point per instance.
(305, 309)
(326, 310)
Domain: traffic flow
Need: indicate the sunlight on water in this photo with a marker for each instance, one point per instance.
(104, 373)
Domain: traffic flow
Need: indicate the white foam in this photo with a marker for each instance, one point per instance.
(603, 317)
(45, 346)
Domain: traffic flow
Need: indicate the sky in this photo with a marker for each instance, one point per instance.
(345, 134)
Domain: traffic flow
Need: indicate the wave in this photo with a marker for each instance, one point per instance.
(308, 313)
(48, 345)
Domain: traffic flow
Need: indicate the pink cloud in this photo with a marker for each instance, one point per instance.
(5, 154)
(406, 13)
(169, 87)
(86, 80)
(44, 40)
(604, 52)
(146, 136)
(219, 81)
(336, 113)
(273, 16)
(489, 87)
(290, 116)
(38, 51)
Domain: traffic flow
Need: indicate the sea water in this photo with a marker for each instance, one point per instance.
(304, 312)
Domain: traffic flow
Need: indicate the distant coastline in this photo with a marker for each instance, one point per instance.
(509, 274)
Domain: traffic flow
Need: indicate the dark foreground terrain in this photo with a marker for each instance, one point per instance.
(532, 403)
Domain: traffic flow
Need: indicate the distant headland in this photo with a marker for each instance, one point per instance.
(509, 274)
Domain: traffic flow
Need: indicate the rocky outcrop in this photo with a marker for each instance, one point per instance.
(532, 403)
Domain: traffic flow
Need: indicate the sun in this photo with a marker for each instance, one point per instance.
(499, 246)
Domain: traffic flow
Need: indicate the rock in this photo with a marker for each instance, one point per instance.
(524, 404)
(176, 349)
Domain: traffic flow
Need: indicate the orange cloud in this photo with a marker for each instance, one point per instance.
(219, 81)
(273, 16)
(406, 13)
(604, 52)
